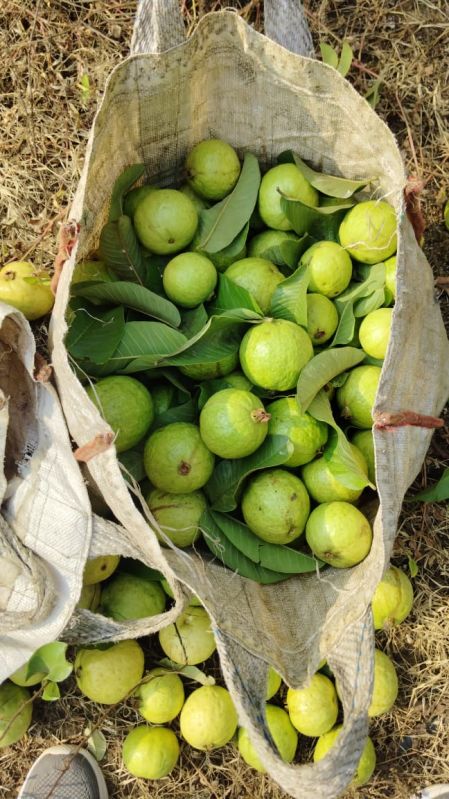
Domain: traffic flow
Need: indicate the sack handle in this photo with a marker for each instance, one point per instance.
(159, 26)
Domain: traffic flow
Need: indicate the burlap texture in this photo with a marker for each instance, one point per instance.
(231, 82)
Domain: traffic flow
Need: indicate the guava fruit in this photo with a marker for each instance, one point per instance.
(313, 710)
(238, 380)
(329, 268)
(368, 231)
(189, 279)
(26, 288)
(258, 276)
(390, 279)
(165, 221)
(364, 441)
(91, 270)
(150, 752)
(178, 515)
(322, 318)
(108, 675)
(269, 239)
(190, 639)
(98, 569)
(163, 396)
(199, 202)
(209, 371)
(339, 534)
(233, 423)
(194, 600)
(324, 486)
(305, 433)
(273, 353)
(161, 697)
(90, 597)
(275, 506)
(366, 764)
(392, 600)
(374, 332)
(274, 681)
(134, 198)
(208, 719)
(385, 687)
(213, 168)
(282, 732)
(288, 179)
(127, 596)
(13, 699)
(177, 460)
(356, 396)
(126, 406)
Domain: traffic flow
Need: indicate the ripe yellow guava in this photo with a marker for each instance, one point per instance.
(283, 733)
(364, 441)
(322, 318)
(269, 239)
(108, 675)
(26, 288)
(233, 423)
(208, 719)
(339, 534)
(98, 569)
(150, 752)
(385, 687)
(390, 279)
(161, 697)
(274, 681)
(368, 231)
(374, 332)
(190, 639)
(366, 764)
(213, 168)
(313, 710)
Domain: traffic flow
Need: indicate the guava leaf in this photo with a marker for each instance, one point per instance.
(154, 269)
(321, 369)
(220, 224)
(276, 557)
(228, 475)
(144, 344)
(289, 300)
(365, 305)
(288, 252)
(230, 556)
(346, 326)
(187, 412)
(123, 292)
(121, 251)
(51, 692)
(412, 567)
(338, 452)
(439, 492)
(220, 337)
(331, 185)
(193, 320)
(172, 375)
(234, 249)
(95, 334)
(96, 743)
(191, 672)
(374, 281)
(50, 660)
(322, 222)
(131, 463)
(121, 186)
(329, 55)
(231, 296)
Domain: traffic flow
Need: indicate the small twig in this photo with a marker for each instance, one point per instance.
(44, 233)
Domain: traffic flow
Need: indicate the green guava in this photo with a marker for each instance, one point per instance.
(275, 506)
(178, 515)
(209, 371)
(199, 202)
(282, 732)
(258, 276)
(161, 697)
(26, 288)
(274, 681)
(364, 441)
(366, 764)
(134, 198)
(163, 396)
(189, 279)
(150, 752)
(385, 687)
(356, 396)
(273, 353)
(233, 423)
(368, 231)
(238, 380)
(313, 710)
(165, 221)
(126, 406)
(128, 596)
(288, 179)
(90, 597)
(213, 168)
(269, 240)
(374, 332)
(86, 271)
(190, 639)
(107, 675)
(98, 569)
(177, 460)
(14, 704)
(324, 486)
(329, 268)
(390, 279)
(208, 719)
(305, 433)
(339, 534)
(392, 600)
(322, 318)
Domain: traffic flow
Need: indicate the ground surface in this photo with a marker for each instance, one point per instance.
(54, 59)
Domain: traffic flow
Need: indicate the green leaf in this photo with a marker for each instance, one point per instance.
(120, 249)
(339, 452)
(132, 295)
(275, 557)
(234, 249)
(230, 556)
(364, 306)
(373, 282)
(331, 185)
(96, 743)
(228, 475)
(321, 369)
(288, 252)
(439, 492)
(346, 56)
(95, 334)
(193, 321)
(329, 55)
(373, 94)
(412, 567)
(220, 337)
(132, 463)
(51, 692)
(220, 224)
(191, 672)
(54, 656)
(346, 326)
(187, 412)
(121, 186)
(322, 223)
(145, 344)
(289, 299)
(230, 296)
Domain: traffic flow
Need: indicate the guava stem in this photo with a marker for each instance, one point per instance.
(184, 467)
(260, 415)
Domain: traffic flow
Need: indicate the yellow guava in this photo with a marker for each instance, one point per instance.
(329, 268)
(208, 719)
(274, 681)
(366, 764)
(374, 332)
(283, 733)
(306, 434)
(322, 318)
(190, 639)
(161, 697)
(356, 396)
(390, 279)
(386, 686)
(313, 710)
(26, 288)
(368, 231)
(108, 675)
(176, 459)
(150, 752)
(90, 597)
(324, 486)
(98, 569)
(165, 221)
(178, 515)
(209, 371)
(364, 441)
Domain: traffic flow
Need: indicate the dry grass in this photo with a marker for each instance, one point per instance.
(46, 47)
